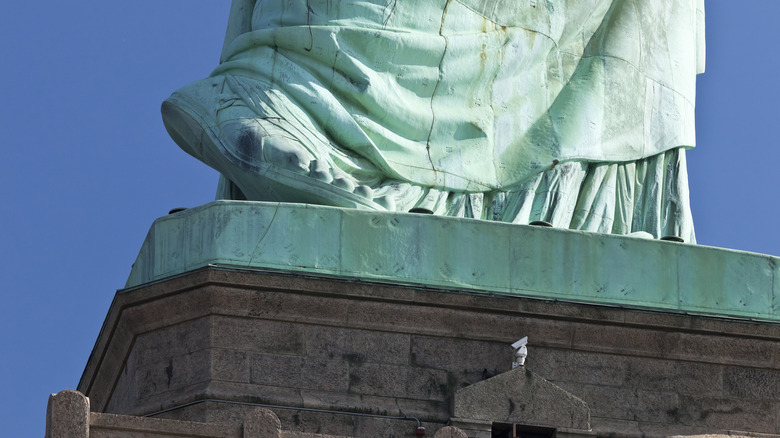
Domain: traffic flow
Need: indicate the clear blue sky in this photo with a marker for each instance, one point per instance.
(87, 165)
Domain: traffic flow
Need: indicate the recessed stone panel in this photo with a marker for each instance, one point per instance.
(581, 367)
(752, 383)
(724, 413)
(398, 381)
(357, 346)
(299, 372)
(682, 377)
(257, 335)
(724, 349)
(461, 356)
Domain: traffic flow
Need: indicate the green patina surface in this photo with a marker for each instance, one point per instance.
(575, 112)
(462, 255)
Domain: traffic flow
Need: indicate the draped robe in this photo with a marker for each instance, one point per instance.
(519, 102)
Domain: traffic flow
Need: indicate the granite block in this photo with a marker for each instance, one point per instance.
(257, 335)
(357, 346)
(67, 415)
(752, 383)
(631, 404)
(398, 381)
(742, 350)
(299, 372)
(450, 432)
(461, 356)
(230, 365)
(174, 373)
(682, 377)
(262, 423)
(580, 367)
(725, 413)
(623, 340)
(174, 340)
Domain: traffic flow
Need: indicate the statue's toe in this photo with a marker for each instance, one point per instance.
(386, 201)
(344, 183)
(320, 170)
(286, 154)
(364, 191)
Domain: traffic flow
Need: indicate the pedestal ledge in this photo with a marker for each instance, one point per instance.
(462, 255)
(67, 415)
(522, 397)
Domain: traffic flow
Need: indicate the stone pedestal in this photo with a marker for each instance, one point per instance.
(352, 359)
(330, 350)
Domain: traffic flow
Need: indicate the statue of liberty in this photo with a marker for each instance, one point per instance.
(573, 112)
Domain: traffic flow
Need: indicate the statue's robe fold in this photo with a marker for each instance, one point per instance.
(487, 97)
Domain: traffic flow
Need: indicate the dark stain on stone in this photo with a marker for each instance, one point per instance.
(447, 389)
(674, 413)
(486, 374)
(169, 371)
(353, 358)
(353, 380)
(706, 413)
(511, 406)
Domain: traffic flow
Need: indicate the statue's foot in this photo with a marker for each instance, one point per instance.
(255, 144)
(249, 144)
(210, 122)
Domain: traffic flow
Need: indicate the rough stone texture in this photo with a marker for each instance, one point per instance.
(473, 428)
(522, 397)
(450, 432)
(67, 415)
(262, 423)
(292, 344)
